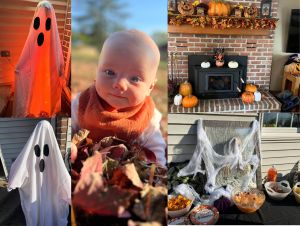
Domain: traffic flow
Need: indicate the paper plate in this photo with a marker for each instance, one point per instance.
(204, 215)
(179, 221)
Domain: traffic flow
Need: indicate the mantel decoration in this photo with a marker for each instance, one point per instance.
(218, 22)
(223, 15)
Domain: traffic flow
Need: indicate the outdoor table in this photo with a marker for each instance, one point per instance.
(286, 211)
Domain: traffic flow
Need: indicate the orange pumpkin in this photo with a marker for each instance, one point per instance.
(218, 8)
(248, 97)
(189, 101)
(251, 88)
(185, 88)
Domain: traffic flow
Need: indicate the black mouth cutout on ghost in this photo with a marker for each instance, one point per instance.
(37, 152)
(36, 25)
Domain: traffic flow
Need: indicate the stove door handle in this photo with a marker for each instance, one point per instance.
(238, 89)
(242, 80)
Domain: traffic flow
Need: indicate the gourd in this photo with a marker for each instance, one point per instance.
(185, 88)
(251, 88)
(205, 64)
(222, 204)
(177, 100)
(248, 97)
(189, 101)
(233, 64)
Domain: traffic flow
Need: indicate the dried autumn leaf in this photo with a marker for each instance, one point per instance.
(91, 165)
(152, 206)
(94, 197)
(80, 136)
(126, 177)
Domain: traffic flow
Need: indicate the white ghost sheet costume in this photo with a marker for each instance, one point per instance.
(39, 74)
(228, 152)
(42, 178)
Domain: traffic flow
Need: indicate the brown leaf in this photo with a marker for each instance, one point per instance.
(152, 206)
(92, 165)
(80, 136)
(95, 198)
(126, 177)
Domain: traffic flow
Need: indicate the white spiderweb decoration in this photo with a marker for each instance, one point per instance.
(228, 152)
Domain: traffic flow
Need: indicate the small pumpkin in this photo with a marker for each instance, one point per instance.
(185, 88)
(177, 100)
(233, 64)
(251, 88)
(205, 64)
(189, 101)
(217, 8)
(248, 97)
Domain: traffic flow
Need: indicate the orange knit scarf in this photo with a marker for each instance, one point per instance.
(95, 115)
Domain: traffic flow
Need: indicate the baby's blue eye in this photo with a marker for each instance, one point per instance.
(136, 79)
(109, 73)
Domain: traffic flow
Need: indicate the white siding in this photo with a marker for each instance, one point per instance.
(14, 134)
(280, 147)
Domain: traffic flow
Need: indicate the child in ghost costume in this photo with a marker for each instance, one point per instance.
(40, 70)
(119, 103)
(42, 178)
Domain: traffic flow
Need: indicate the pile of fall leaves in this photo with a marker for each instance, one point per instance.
(116, 179)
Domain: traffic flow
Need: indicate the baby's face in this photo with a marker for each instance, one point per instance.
(126, 75)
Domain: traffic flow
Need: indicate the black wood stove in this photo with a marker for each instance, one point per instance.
(217, 82)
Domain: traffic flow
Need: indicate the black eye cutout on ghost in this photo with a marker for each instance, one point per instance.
(37, 152)
(36, 25)
(48, 24)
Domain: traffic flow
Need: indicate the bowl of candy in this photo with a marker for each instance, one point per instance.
(248, 200)
(278, 190)
(179, 205)
(296, 190)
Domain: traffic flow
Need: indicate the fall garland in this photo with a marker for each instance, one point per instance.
(223, 22)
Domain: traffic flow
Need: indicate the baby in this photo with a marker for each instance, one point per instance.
(119, 103)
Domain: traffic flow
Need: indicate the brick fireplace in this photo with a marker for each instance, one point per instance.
(258, 49)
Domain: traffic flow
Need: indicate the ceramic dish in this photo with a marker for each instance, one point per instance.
(278, 190)
(181, 212)
(249, 200)
(296, 190)
(204, 215)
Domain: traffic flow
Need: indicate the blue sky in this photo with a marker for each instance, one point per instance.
(148, 16)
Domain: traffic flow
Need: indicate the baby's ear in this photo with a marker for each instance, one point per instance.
(152, 86)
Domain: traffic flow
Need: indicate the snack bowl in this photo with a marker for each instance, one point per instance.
(186, 205)
(248, 200)
(296, 191)
(278, 190)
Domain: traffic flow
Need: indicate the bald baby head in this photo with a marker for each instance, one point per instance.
(132, 42)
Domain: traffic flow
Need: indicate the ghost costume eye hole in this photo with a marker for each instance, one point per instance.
(48, 24)
(37, 150)
(46, 150)
(36, 23)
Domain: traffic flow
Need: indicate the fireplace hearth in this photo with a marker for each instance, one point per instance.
(217, 82)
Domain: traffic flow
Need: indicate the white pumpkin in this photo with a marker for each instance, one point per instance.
(177, 100)
(205, 64)
(257, 96)
(233, 64)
